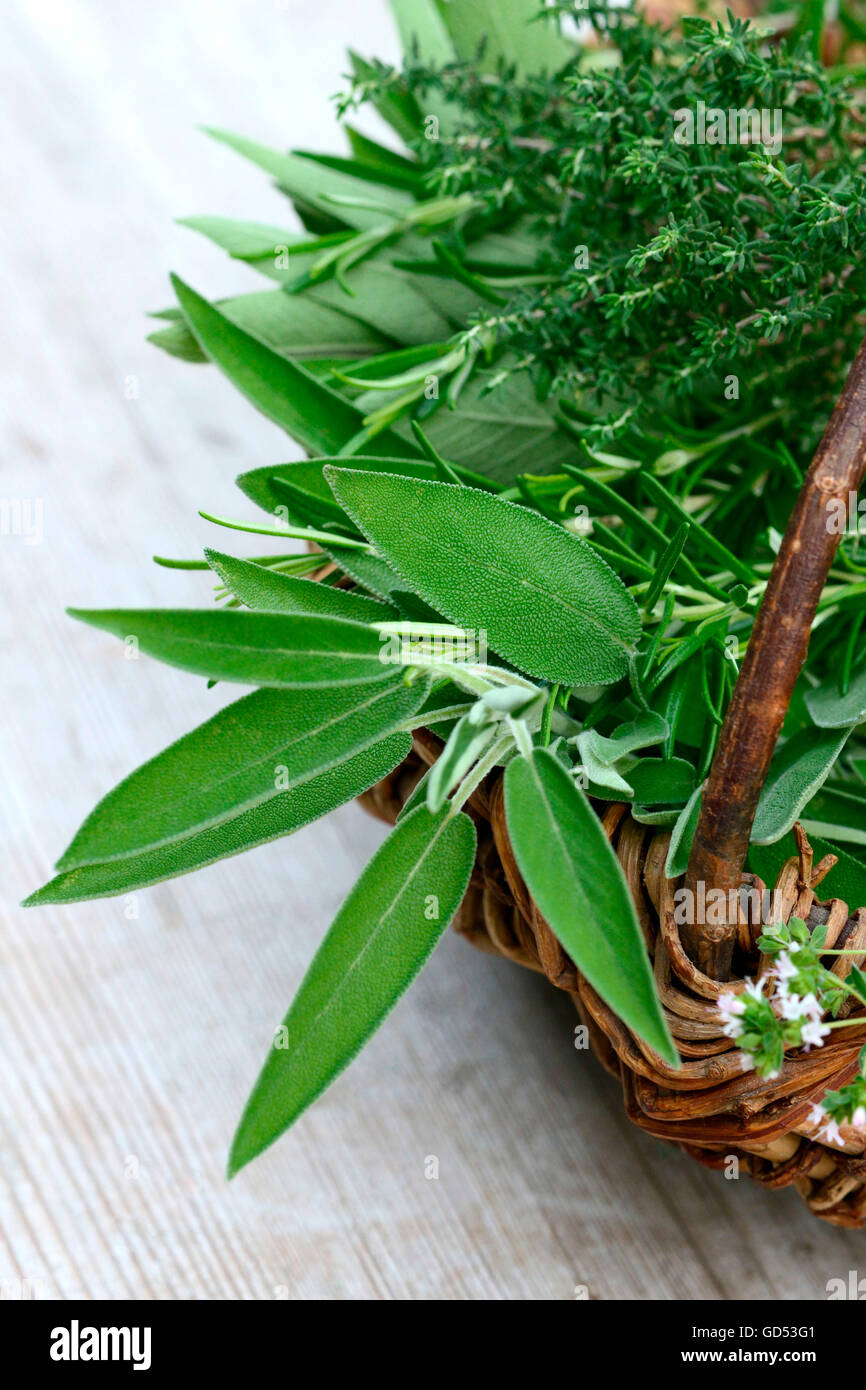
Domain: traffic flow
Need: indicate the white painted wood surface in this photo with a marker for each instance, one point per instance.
(129, 1041)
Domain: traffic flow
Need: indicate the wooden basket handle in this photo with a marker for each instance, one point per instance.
(773, 661)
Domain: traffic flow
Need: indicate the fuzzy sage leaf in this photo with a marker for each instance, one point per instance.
(271, 818)
(289, 650)
(267, 590)
(546, 602)
(379, 940)
(576, 880)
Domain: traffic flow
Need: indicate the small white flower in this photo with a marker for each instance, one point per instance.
(813, 1008)
(817, 1115)
(793, 1006)
(755, 988)
(858, 1119)
(831, 1133)
(813, 1034)
(730, 1007)
(747, 1062)
(785, 967)
(730, 1003)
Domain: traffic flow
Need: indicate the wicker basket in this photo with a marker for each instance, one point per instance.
(711, 1106)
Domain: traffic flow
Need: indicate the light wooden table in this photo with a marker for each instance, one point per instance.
(132, 1029)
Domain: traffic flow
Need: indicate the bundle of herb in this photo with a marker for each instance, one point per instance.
(558, 367)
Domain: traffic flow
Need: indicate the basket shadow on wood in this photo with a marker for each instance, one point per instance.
(712, 1107)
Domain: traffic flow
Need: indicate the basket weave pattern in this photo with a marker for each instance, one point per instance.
(711, 1106)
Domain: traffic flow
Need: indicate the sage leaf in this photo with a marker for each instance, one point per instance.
(379, 940)
(288, 650)
(513, 33)
(422, 30)
(268, 590)
(838, 812)
(292, 325)
(683, 835)
(577, 882)
(396, 304)
(318, 418)
(796, 773)
(600, 756)
(602, 774)
(662, 781)
(648, 728)
(279, 815)
(500, 433)
(830, 710)
(276, 484)
(250, 752)
(546, 602)
(314, 184)
(369, 571)
(465, 746)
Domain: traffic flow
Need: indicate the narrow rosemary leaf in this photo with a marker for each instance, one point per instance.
(701, 537)
(682, 836)
(665, 567)
(634, 518)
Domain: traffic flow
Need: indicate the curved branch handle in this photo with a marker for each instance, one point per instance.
(773, 661)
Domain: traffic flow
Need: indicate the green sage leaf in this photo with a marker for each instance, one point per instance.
(279, 815)
(546, 602)
(288, 650)
(252, 751)
(577, 882)
(318, 418)
(268, 590)
(379, 940)
(797, 771)
(830, 710)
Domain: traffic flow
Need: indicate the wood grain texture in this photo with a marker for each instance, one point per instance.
(131, 1029)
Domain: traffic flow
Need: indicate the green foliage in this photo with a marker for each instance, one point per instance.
(685, 261)
(557, 378)
(379, 940)
(561, 614)
(575, 878)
